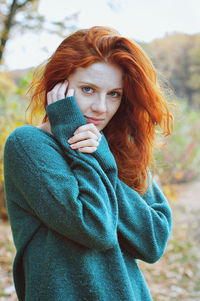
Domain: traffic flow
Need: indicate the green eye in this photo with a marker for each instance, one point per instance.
(115, 94)
(87, 89)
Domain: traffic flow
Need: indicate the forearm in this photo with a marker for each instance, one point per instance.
(79, 204)
(65, 117)
(144, 223)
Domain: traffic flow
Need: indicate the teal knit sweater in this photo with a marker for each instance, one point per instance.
(78, 229)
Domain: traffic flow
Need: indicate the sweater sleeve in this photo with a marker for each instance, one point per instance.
(71, 195)
(144, 223)
(65, 117)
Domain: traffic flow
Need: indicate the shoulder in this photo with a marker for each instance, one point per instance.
(30, 140)
(28, 132)
(28, 135)
(29, 146)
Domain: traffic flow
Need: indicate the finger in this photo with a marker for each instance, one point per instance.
(89, 126)
(52, 95)
(70, 93)
(98, 139)
(82, 136)
(49, 98)
(88, 149)
(62, 90)
(85, 143)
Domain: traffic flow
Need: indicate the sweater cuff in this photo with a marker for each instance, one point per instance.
(65, 113)
(65, 117)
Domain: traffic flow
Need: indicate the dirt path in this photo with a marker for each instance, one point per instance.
(175, 277)
(7, 251)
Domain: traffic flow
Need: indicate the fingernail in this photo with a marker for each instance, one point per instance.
(70, 140)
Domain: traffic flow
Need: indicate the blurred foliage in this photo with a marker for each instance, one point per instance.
(177, 57)
(18, 16)
(13, 102)
(178, 160)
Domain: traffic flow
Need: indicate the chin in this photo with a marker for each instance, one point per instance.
(100, 128)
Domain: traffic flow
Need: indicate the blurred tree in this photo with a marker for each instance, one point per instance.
(178, 161)
(194, 71)
(23, 15)
(177, 58)
(13, 100)
(9, 19)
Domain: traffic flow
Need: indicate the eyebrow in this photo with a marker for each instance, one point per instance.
(91, 84)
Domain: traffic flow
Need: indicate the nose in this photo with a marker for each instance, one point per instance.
(99, 104)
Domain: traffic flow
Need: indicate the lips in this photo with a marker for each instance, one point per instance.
(93, 119)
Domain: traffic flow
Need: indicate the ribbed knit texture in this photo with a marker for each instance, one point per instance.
(78, 229)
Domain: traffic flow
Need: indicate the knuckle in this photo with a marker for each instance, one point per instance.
(93, 142)
(90, 135)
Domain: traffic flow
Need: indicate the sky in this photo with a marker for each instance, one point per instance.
(141, 20)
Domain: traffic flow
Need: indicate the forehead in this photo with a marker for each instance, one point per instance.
(102, 75)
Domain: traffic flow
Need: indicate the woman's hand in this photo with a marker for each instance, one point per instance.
(87, 137)
(59, 92)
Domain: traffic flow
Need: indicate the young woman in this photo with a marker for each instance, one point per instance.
(82, 203)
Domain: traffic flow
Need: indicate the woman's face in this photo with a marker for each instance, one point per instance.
(98, 92)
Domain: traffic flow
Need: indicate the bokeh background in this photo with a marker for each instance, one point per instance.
(169, 32)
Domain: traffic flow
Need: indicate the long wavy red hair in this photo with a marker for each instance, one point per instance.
(131, 132)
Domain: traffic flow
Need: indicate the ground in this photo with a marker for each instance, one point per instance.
(176, 276)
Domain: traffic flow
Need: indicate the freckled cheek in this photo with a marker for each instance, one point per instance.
(113, 109)
(78, 99)
(82, 101)
(78, 95)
